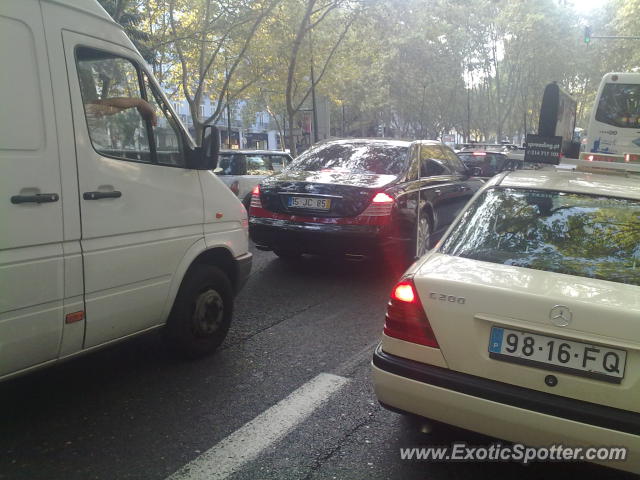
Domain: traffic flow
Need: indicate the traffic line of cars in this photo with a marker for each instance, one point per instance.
(386, 199)
(521, 322)
(520, 318)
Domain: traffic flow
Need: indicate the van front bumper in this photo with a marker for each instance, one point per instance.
(503, 411)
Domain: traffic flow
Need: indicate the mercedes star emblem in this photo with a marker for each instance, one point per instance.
(560, 315)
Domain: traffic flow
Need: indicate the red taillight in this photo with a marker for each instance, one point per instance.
(382, 197)
(404, 292)
(600, 158)
(381, 206)
(255, 198)
(406, 319)
(479, 154)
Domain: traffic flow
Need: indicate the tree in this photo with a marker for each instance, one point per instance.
(125, 13)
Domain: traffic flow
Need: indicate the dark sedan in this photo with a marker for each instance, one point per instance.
(361, 198)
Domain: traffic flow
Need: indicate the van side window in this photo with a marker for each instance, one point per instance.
(113, 105)
(168, 141)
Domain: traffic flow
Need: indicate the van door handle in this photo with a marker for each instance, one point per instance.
(37, 198)
(99, 195)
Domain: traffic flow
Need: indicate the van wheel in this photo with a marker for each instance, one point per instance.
(201, 314)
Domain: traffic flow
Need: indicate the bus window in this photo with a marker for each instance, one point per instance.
(619, 105)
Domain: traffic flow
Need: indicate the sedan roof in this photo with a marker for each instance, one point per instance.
(572, 181)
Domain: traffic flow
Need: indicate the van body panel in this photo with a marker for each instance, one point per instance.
(223, 224)
(31, 255)
(115, 263)
(131, 244)
(73, 331)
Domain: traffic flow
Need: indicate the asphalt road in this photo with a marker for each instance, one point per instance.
(302, 338)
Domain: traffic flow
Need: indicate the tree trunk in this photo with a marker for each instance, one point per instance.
(292, 139)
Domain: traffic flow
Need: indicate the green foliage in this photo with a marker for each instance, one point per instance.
(421, 68)
(126, 14)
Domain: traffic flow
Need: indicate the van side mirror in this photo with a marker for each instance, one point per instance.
(210, 147)
(205, 157)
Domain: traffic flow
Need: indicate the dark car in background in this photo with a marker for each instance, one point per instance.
(380, 198)
(486, 164)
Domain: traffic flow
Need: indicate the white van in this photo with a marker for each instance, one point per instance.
(112, 222)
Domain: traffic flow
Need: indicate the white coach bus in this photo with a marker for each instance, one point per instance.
(614, 127)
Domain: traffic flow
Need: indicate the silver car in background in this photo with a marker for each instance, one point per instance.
(242, 170)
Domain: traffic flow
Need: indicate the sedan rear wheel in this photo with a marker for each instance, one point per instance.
(423, 236)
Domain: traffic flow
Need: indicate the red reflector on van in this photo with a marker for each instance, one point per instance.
(74, 317)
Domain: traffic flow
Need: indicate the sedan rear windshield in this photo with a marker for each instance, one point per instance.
(576, 234)
(378, 158)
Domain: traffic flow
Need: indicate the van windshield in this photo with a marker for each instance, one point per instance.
(576, 234)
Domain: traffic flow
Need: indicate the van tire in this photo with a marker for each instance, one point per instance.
(201, 314)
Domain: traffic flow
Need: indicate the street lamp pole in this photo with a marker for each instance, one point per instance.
(424, 91)
(313, 88)
(226, 74)
(229, 122)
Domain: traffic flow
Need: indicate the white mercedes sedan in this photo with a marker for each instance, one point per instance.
(523, 323)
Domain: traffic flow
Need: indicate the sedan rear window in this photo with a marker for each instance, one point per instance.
(378, 158)
(576, 234)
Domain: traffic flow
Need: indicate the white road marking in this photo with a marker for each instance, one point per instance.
(246, 443)
(364, 355)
